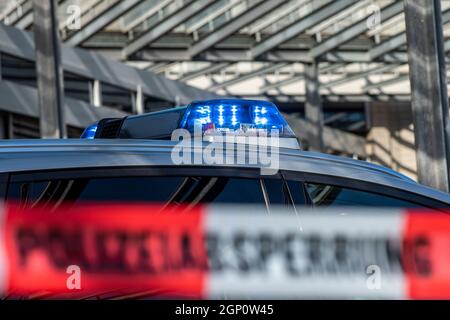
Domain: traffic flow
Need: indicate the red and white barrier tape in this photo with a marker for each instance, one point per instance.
(214, 252)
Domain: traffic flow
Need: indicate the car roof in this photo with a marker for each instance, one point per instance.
(48, 154)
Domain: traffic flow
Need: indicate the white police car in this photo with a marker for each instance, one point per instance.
(134, 159)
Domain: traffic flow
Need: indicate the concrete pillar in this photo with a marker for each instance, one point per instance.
(48, 68)
(313, 107)
(429, 98)
(139, 101)
(96, 93)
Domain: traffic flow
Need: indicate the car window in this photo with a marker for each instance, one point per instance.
(154, 189)
(276, 191)
(329, 195)
(296, 192)
(240, 191)
(160, 189)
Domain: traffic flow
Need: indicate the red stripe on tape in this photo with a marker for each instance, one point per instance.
(426, 255)
(133, 247)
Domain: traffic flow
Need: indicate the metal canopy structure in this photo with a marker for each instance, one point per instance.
(338, 67)
(249, 47)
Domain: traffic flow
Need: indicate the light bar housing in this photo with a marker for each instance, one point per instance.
(236, 116)
(211, 117)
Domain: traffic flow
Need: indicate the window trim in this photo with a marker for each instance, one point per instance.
(262, 186)
(308, 202)
(100, 172)
(364, 186)
(117, 172)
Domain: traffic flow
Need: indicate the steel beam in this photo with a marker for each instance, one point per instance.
(385, 83)
(345, 79)
(353, 31)
(94, 66)
(25, 22)
(26, 19)
(26, 8)
(402, 78)
(335, 117)
(247, 76)
(101, 21)
(330, 8)
(165, 26)
(288, 81)
(224, 9)
(285, 98)
(388, 45)
(234, 25)
(397, 41)
(160, 68)
(277, 16)
(429, 97)
(48, 69)
(281, 83)
(399, 78)
(313, 107)
(276, 55)
(211, 68)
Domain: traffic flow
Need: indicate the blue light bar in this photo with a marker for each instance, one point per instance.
(235, 116)
(89, 132)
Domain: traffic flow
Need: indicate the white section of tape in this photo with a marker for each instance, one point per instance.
(339, 253)
(3, 257)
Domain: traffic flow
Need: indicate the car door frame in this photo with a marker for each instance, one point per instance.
(123, 171)
(365, 186)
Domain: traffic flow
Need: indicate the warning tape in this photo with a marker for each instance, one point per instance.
(105, 250)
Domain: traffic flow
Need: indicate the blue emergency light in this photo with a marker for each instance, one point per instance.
(89, 132)
(211, 118)
(235, 116)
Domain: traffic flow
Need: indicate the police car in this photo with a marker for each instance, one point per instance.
(137, 159)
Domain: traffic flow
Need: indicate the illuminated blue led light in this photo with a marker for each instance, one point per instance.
(232, 115)
(89, 132)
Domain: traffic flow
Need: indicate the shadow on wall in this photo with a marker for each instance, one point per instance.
(336, 141)
(390, 141)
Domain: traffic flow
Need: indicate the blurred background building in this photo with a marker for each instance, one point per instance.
(132, 56)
